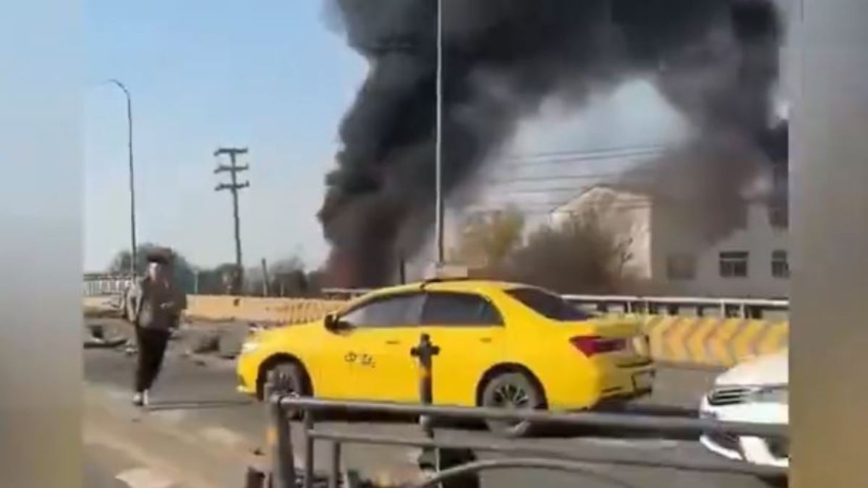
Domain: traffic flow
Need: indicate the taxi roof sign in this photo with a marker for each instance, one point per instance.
(444, 271)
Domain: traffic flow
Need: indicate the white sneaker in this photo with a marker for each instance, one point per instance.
(145, 399)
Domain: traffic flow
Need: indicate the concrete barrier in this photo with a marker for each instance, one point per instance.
(679, 340)
(714, 342)
(253, 309)
(99, 302)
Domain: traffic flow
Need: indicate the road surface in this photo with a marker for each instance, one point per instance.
(195, 404)
(105, 467)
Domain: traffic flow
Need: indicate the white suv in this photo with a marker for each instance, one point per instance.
(754, 391)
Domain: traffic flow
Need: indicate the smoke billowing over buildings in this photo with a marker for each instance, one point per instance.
(716, 61)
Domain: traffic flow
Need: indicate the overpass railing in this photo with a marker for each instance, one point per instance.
(104, 285)
(453, 464)
(752, 308)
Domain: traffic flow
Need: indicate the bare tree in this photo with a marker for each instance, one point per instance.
(184, 271)
(489, 239)
(580, 255)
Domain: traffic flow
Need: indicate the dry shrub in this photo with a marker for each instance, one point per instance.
(576, 256)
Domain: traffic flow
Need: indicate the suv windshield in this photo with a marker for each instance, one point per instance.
(549, 305)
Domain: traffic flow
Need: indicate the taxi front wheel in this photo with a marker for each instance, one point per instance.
(513, 390)
(290, 378)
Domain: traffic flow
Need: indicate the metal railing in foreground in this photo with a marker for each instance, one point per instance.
(454, 464)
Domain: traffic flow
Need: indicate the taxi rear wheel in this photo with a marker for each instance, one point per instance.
(513, 390)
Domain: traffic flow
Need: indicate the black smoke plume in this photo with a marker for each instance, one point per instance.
(715, 60)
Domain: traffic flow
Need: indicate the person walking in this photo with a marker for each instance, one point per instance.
(158, 306)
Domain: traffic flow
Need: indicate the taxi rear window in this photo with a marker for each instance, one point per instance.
(549, 305)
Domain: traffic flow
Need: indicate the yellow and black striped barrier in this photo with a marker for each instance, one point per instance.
(699, 341)
(710, 341)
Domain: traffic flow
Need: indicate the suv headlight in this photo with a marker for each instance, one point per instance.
(776, 394)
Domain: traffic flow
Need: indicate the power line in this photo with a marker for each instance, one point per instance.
(625, 158)
(541, 178)
(233, 169)
(619, 204)
(590, 153)
(554, 208)
(561, 179)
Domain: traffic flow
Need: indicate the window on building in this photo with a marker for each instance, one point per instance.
(741, 215)
(780, 179)
(780, 264)
(681, 266)
(733, 264)
(779, 215)
(779, 211)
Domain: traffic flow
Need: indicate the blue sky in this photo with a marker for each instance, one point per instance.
(269, 75)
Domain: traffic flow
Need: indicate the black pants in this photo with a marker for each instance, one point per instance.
(152, 346)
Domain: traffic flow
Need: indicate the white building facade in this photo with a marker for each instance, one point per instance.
(750, 261)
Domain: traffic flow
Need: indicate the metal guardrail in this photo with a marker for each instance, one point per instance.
(453, 464)
(754, 308)
(632, 304)
(95, 286)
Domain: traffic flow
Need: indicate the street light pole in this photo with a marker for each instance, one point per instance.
(133, 247)
(438, 178)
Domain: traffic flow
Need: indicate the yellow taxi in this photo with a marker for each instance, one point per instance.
(501, 345)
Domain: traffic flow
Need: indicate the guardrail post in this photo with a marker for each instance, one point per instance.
(429, 459)
(279, 438)
(335, 465)
(254, 478)
(436, 459)
(753, 312)
(424, 353)
(308, 450)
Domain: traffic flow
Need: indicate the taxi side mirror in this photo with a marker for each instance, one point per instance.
(332, 322)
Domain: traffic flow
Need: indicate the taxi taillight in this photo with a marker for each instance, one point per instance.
(593, 345)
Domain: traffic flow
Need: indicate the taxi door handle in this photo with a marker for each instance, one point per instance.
(393, 342)
(486, 340)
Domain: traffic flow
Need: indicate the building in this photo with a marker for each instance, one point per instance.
(621, 212)
(748, 259)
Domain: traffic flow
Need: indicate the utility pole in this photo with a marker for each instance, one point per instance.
(438, 150)
(233, 186)
(265, 282)
(132, 181)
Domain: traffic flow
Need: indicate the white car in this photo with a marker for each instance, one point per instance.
(755, 391)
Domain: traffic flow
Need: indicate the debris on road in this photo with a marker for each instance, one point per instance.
(259, 478)
(97, 338)
(94, 343)
(205, 343)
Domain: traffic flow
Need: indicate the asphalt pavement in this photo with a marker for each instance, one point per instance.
(195, 402)
(108, 468)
